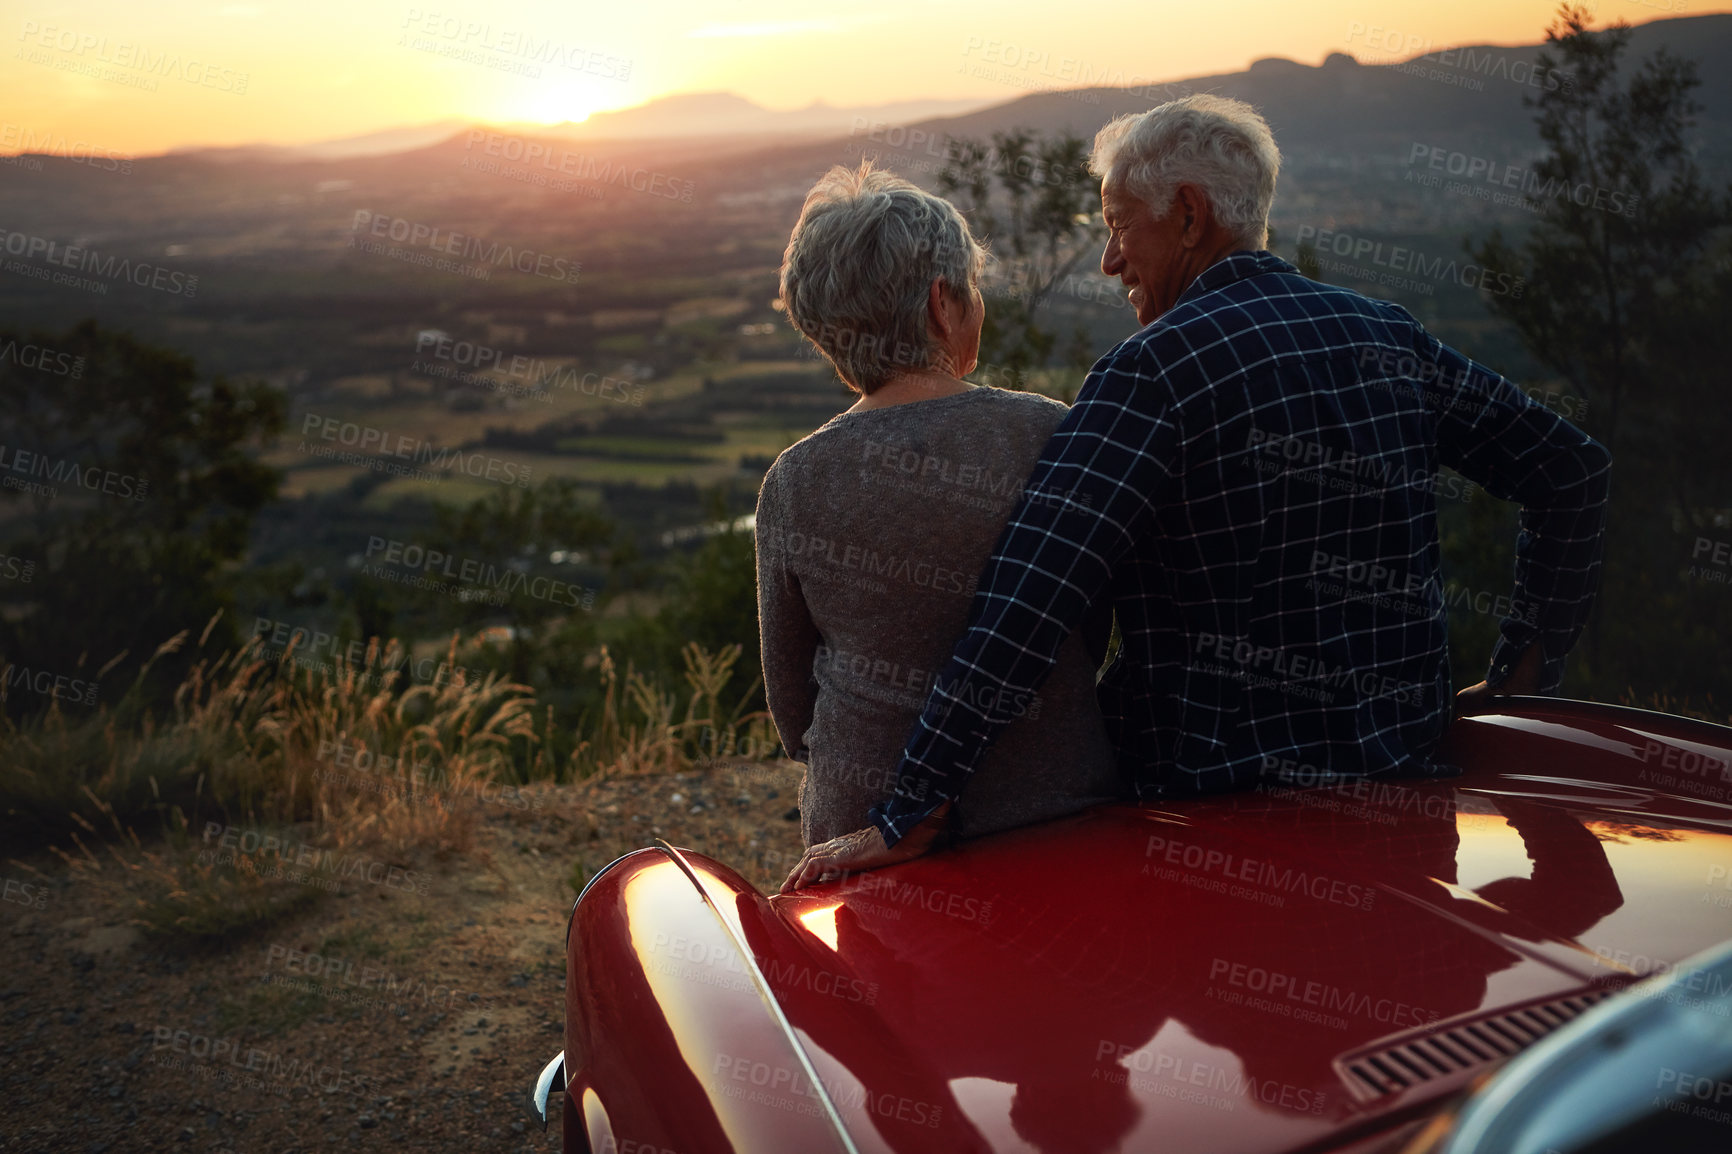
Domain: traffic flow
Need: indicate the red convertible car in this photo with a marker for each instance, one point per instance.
(1349, 965)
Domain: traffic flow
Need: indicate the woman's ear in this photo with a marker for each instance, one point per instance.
(937, 310)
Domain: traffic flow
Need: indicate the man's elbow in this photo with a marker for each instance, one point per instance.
(1598, 457)
(1597, 463)
(1585, 481)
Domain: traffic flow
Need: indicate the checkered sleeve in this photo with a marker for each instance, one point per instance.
(1089, 497)
(1492, 433)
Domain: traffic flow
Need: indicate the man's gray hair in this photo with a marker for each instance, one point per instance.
(1218, 144)
(859, 268)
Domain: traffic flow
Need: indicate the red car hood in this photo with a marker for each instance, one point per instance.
(1245, 973)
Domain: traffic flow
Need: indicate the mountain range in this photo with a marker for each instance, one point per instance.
(1470, 94)
(684, 115)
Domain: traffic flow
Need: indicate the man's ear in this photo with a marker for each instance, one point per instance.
(1194, 204)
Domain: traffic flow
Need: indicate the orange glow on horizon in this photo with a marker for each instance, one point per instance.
(116, 77)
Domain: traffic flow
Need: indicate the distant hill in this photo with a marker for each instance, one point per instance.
(705, 114)
(711, 113)
(1329, 114)
(1316, 106)
(382, 143)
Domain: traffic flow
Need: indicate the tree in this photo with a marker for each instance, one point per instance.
(131, 486)
(510, 537)
(1625, 301)
(1623, 215)
(1037, 206)
(710, 597)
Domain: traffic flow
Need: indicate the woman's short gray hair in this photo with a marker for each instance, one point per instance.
(1218, 144)
(859, 270)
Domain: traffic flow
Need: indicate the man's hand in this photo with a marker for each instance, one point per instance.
(864, 849)
(1523, 680)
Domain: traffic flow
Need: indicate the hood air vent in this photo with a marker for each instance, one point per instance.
(1462, 1047)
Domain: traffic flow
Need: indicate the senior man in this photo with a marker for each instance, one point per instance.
(1251, 479)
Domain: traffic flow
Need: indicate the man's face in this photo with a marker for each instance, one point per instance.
(1144, 253)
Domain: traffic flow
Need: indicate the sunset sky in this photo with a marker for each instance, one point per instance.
(140, 78)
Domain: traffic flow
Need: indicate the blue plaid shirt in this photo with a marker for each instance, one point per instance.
(1253, 480)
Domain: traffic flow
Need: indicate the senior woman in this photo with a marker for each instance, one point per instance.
(871, 531)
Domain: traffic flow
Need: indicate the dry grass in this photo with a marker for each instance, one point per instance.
(637, 731)
(290, 758)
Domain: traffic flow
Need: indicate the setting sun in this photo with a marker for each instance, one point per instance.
(556, 107)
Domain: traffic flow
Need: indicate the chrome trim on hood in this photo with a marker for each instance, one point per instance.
(769, 999)
(593, 878)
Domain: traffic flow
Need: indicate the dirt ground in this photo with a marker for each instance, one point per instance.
(420, 1025)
